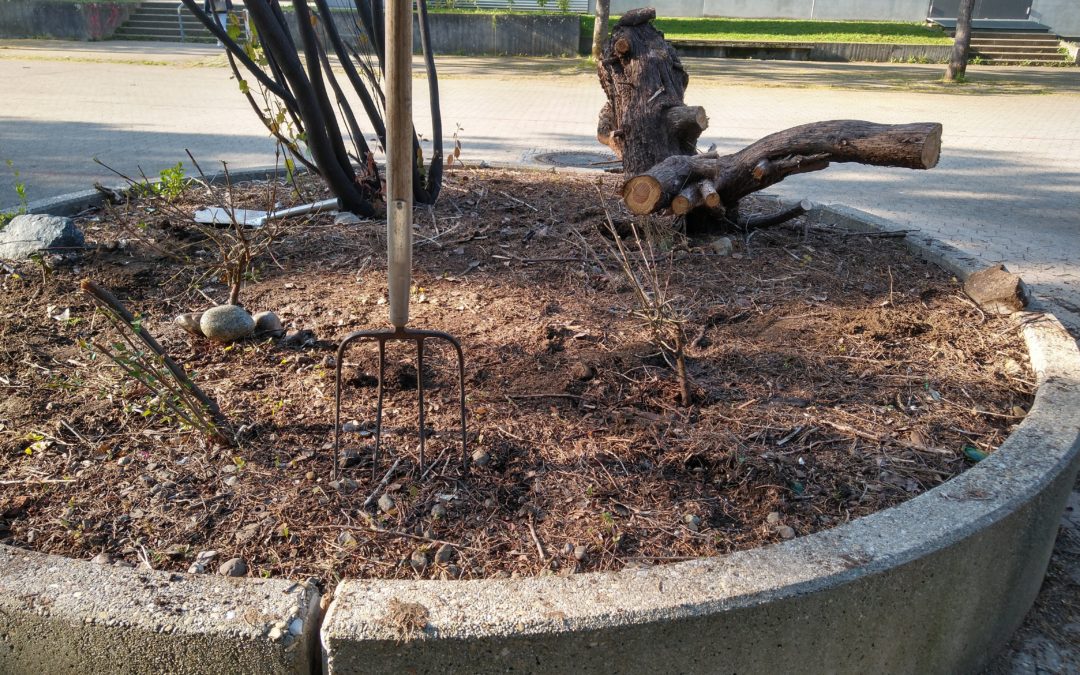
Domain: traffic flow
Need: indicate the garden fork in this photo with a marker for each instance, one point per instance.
(399, 200)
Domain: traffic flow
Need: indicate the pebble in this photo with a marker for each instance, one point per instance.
(490, 503)
(345, 485)
(275, 634)
(481, 458)
(386, 503)
(189, 321)
(692, 521)
(785, 532)
(310, 475)
(438, 511)
(237, 567)
(226, 323)
(301, 338)
(453, 571)
(296, 626)
(418, 560)
(580, 552)
(351, 426)
(346, 539)
(720, 246)
(202, 559)
(102, 558)
(445, 554)
(582, 371)
(125, 460)
(232, 480)
(773, 518)
(267, 324)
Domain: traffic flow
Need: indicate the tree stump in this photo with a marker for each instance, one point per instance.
(652, 130)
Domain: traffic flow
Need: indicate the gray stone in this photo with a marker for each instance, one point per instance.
(438, 511)
(786, 532)
(386, 503)
(189, 321)
(418, 560)
(226, 323)
(773, 517)
(102, 558)
(481, 458)
(344, 485)
(237, 567)
(996, 290)
(267, 324)
(26, 235)
(580, 552)
(721, 246)
(445, 554)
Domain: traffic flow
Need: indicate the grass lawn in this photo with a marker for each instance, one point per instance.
(781, 30)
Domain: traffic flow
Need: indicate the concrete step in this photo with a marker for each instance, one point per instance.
(163, 23)
(1023, 56)
(1025, 34)
(986, 42)
(1024, 62)
(1019, 49)
(167, 34)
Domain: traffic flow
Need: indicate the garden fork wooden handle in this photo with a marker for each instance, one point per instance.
(399, 158)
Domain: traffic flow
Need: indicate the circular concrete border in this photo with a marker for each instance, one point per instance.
(936, 584)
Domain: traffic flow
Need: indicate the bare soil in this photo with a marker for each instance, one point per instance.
(833, 375)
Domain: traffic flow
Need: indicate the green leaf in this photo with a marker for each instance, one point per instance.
(974, 454)
(243, 86)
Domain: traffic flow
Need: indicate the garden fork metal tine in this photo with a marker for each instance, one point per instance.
(382, 337)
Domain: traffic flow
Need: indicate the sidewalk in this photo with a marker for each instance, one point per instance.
(1007, 188)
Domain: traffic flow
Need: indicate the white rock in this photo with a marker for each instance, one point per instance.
(296, 627)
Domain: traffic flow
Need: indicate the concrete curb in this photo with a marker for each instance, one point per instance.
(63, 615)
(936, 584)
(73, 203)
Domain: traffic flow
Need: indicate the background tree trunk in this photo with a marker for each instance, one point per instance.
(958, 61)
(645, 120)
(599, 34)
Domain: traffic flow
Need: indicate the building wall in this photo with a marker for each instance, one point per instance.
(884, 10)
(1063, 16)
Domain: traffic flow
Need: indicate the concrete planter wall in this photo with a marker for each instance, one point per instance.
(490, 34)
(64, 20)
(934, 585)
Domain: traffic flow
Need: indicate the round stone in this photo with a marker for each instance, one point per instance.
(237, 567)
(267, 324)
(226, 323)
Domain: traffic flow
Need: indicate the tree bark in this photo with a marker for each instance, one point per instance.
(689, 182)
(957, 68)
(603, 12)
(645, 120)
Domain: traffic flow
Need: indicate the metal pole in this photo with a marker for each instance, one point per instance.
(399, 159)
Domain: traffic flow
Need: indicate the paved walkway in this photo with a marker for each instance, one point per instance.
(1007, 188)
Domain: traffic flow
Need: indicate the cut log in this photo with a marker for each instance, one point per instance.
(810, 147)
(651, 129)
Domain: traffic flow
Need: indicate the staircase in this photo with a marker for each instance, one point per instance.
(160, 21)
(1006, 48)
